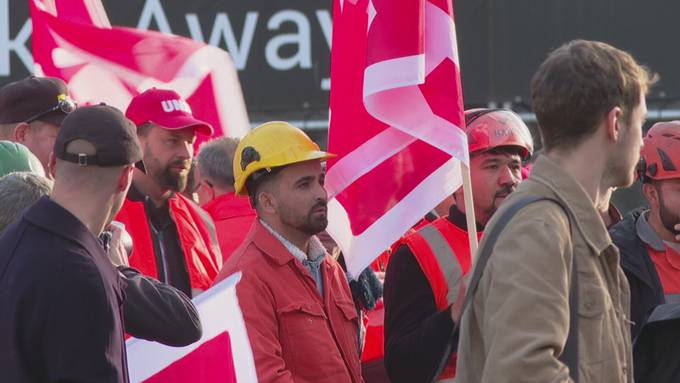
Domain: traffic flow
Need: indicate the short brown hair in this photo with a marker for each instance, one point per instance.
(578, 84)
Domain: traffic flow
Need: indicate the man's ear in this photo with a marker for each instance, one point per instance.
(51, 166)
(205, 191)
(612, 122)
(125, 179)
(266, 202)
(20, 132)
(651, 195)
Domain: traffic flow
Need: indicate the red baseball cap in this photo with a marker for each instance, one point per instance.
(166, 109)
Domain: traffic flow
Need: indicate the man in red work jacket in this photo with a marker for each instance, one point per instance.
(424, 273)
(174, 239)
(296, 303)
(232, 214)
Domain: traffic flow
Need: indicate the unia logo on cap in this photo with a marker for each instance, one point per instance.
(170, 106)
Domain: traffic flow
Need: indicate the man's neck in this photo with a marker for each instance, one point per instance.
(585, 164)
(148, 187)
(458, 217)
(93, 214)
(296, 237)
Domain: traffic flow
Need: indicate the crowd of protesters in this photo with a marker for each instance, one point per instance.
(110, 223)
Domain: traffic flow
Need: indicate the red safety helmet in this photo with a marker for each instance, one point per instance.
(660, 155)
(491, 128)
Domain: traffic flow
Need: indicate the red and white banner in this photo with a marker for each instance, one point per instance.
(73, 40)
(396, 119)
(222, 355)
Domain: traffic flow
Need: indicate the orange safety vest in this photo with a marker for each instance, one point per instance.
(196, 236)
(374, 320)
(442, 250)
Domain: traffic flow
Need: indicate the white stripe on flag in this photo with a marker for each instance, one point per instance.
(219, 311)
(407, 110)
(363, 159)
(437, 47)
(380, 235)
(395, 73)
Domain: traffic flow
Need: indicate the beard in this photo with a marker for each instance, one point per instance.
(316, 222)
(312, 223)
(503, 193)
(668, 218)
(163, 175)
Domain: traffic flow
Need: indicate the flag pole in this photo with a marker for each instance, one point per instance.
(469, 210)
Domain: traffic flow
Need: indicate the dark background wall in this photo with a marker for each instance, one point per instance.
(501, 42)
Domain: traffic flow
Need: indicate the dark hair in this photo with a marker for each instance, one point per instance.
(144, 129)
(578, 84)
(257, 180)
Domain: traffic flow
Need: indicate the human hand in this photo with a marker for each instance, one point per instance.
(381, 276)
(118, 253)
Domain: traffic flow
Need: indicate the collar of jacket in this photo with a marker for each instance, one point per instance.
(264, 240)
(647, 234)
(316, 249)
(52, 217)
(228, 206)
(136, 195)
(459, 219)
(586, 217)
(624, 235)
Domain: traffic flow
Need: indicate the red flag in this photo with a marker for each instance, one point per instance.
(223, 353)
(73, 40)
(396, 119)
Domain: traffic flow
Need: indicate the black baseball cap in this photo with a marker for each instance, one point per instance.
(35, 98)
(113, 136)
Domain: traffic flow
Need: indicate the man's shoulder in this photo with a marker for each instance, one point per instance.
(538, 206)
(39, 257)
(246, 257)
(539, 224)
(30, 243)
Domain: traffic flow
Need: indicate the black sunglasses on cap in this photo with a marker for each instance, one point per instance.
(65, 105)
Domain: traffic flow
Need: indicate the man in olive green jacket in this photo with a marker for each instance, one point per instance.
(589, 102)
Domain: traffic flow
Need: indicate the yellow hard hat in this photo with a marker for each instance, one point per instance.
(270, 145)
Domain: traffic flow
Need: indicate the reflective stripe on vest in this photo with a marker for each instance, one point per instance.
(443, 252)
(446, 260)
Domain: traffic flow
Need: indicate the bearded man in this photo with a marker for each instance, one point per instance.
(174, 239)
(297, 305)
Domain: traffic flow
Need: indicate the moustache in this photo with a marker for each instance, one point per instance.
(320, 204)
(180, 163)
(504, 191)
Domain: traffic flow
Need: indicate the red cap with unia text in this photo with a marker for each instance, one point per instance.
(166, 109)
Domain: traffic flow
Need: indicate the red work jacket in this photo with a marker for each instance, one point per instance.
(233, 217)
(196, 236)
(296, 334)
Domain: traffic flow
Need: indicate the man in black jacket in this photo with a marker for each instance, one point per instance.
(60, 295)
(649, 242)
(152, 310)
